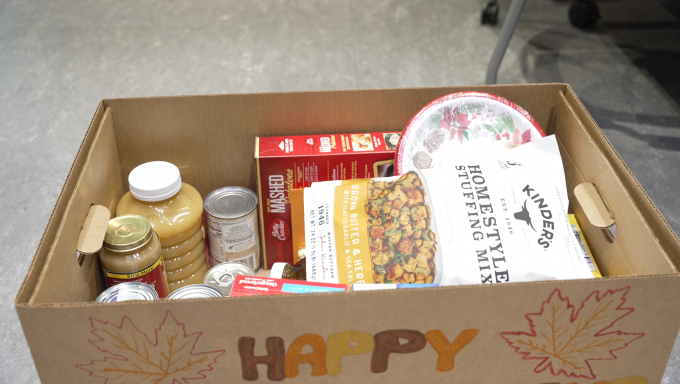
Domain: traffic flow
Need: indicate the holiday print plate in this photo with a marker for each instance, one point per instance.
(464, 121)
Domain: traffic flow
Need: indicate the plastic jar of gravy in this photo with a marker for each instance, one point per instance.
(132, 253)
(175, 211)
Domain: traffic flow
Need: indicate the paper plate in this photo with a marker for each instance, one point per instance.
(462, 121)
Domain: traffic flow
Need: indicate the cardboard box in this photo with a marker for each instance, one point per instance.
(285, 163)
(604, 330)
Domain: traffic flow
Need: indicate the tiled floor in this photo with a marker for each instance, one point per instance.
(58, 58)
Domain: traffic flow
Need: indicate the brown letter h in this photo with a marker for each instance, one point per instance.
(275, 359)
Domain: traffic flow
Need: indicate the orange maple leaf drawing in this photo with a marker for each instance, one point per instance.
(565, 339)
(134, 358)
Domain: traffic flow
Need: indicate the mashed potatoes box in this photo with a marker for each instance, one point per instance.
(290, 162)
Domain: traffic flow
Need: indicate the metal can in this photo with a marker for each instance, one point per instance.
(128, 291)
(195, 291)
(222, 276)
(231, 226)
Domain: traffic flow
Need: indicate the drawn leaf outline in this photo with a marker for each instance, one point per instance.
(564, 339)
(131, 357)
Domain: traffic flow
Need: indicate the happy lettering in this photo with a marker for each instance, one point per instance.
(326, 354)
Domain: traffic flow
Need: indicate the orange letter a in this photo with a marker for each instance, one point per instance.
(317, 358)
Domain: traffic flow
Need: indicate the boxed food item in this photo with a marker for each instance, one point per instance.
(285, 163)
(262, 286)
(580, 240)
(435, 335)
(378, 287)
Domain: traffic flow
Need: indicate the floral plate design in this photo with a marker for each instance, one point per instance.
(462, 121)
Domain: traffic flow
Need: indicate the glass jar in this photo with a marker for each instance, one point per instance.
(291, 272)
(132, 253)
(175, 210)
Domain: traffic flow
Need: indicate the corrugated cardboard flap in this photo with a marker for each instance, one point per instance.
(660, 227)
(49, 235)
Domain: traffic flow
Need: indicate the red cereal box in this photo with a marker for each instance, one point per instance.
(291, 162)
(256, 286)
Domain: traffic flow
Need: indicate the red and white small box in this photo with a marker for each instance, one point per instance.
(257, 286)
(291, 162)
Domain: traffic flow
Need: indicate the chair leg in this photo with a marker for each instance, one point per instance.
(584, 14)
(504, 37)
(490, 13)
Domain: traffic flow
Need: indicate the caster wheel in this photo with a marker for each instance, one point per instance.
(584, 14)
(490, 13)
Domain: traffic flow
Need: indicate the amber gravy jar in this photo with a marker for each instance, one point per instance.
(132, 253)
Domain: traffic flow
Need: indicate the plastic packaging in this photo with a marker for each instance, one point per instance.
(486, 218)
(175, 211)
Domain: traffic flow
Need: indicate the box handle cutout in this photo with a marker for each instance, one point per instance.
(596, 209)
(92, 233)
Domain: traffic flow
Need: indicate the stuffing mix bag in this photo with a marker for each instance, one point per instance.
(482, 219)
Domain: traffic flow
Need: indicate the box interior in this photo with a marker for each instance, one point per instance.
(211, 140)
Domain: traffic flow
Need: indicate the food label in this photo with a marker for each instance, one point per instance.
(250, 260)
(490, 219)
(381, 287)
(227, 237)
(351, 229)
(255, 286)
(291, 162)
(583, 247)
(153, 275)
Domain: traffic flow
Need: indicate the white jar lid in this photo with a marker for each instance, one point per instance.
(155, 181)
(277, 270)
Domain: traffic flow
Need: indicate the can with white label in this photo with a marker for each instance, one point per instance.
(231, 226)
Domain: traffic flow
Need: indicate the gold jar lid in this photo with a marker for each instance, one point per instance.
(127, 233)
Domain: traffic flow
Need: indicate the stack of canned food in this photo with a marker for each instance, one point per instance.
(155, 247)
(218, 282)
